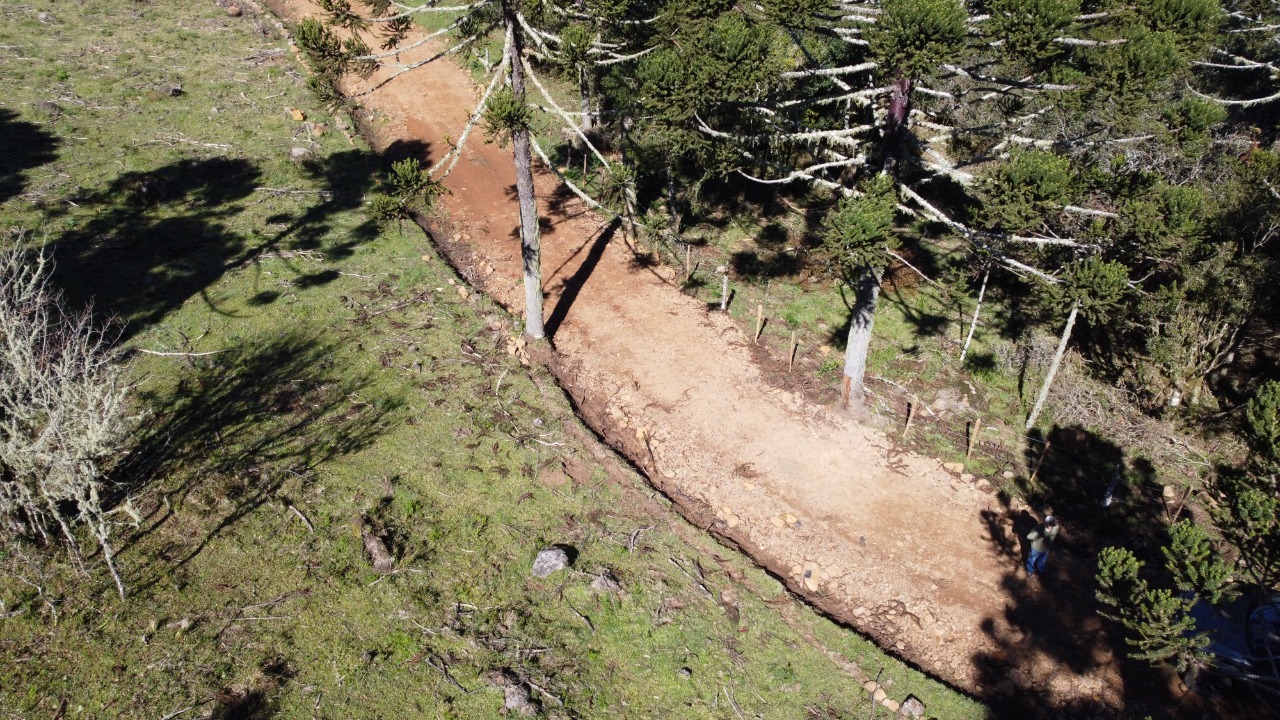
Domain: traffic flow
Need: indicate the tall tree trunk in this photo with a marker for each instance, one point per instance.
(973, 324)
(673, 215)
(1053, 366)
(866, 292)
(529, 241)
(584, 89)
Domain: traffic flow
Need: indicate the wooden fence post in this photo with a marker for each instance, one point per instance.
(974, 428)
(759, 321)
(1043, 453)
(724, 292)
(791, 356)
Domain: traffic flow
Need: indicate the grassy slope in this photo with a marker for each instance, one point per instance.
(351, 379)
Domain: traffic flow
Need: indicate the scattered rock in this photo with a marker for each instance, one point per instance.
(463, 293)
(319, 129)
(51, 109)
(859, 612)
(966, 477)
(297, 154)
(606, 583)
(517, 700)
(890, 705)
(732, 521)
(685, 672)
(879, 695)
(234, 11)
(45, 17)
(181, 626)
(376, 549)
(550, 560)
(953, 467)
(984, 486)
(870, 686)
(790, 519)
(1007, 474)
(912, 707)
(295, 113)
(778, 522)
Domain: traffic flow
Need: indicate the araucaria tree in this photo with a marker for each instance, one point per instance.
(564, 34)
(64, 413)
(859, 236)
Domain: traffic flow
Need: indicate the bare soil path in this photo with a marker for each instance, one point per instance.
(888, 541)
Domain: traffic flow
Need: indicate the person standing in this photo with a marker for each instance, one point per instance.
(1041, 538)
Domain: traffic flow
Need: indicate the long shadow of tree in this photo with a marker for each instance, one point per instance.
(25, 146)
(242, 423)
(1054, 616)
(159, 237)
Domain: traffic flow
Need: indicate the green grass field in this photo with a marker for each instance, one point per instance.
(334, 374)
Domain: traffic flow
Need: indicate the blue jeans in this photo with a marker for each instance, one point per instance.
(1036, 560)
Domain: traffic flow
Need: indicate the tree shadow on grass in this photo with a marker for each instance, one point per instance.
(25, 146)
(158, 237)
(241, 424)
(1050, 630)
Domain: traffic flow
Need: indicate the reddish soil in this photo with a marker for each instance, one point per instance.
(889, 542)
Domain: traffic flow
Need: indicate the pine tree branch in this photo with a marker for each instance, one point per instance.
(568, 121)
(402, 69)
(816, 72)
(456, 151)
(416, 44)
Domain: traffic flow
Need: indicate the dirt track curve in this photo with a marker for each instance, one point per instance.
(888, 541)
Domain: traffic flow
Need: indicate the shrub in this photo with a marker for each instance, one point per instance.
(63, 411)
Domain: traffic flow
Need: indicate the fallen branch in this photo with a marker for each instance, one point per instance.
(294, 509)
(178, 354)
(631, 543)
(695, 580)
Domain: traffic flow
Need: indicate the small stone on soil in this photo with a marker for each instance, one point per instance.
(550, 560)
(606, 583)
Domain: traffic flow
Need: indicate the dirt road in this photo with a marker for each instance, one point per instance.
(890, 542)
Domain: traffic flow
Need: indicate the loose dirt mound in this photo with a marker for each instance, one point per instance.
(888, 541)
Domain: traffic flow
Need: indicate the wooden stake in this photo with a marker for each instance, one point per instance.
(1178, 509)
(974, 428)
(724, 292)
(911, 414)
(791, 357)
(759, 321)
(688, 262)
(1043, 453)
